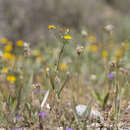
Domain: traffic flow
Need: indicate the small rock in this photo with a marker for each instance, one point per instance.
(80, 109)
(94, 114)
(128, 107)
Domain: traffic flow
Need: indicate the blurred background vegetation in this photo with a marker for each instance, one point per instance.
(28, 19)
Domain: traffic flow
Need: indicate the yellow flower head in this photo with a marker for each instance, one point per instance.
(39, 59)
(63, 67)
(11, 78)
(119, 53)
(92, 39)
(36, 52)
(12, 57)
(8, 48)
(94, 48)
(105, 54)
(5, 70)
(67, 30)
(19, 43)
(47, 69)
(51, 27)
(7, 55)
(116, 58)
(67, 37)
(3, 40)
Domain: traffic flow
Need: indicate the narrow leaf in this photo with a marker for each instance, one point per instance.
(45, 98)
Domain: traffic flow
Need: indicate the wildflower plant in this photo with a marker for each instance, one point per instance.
(43, 85)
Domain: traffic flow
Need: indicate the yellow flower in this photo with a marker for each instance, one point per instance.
(3, 40)
(105, 54)
(12, 57)
(19, 43)
(7, 55)
(39, 59)
(5, 70)
(36, 52)
(92, 39)
(67, 30)
(47, 69)
(11, 78)
(51, 27)
(67, 37)
(119, 53)
(63, 67)
(8, 48)
(94, 48)
(116, 58)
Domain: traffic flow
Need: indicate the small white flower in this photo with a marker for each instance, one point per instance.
(93, 77)
(84, 33)
(109, 28)
(26, 44)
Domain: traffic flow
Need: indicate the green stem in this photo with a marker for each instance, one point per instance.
(59, 57)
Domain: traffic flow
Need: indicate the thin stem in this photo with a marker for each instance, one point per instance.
(59, 57)
(64, 83)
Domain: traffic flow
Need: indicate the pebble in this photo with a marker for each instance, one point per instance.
(94, 114)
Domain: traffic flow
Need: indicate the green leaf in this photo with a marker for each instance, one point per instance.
(97, 96)
(88, 110)
(45, 98)
(105, 100)
(52, 78)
